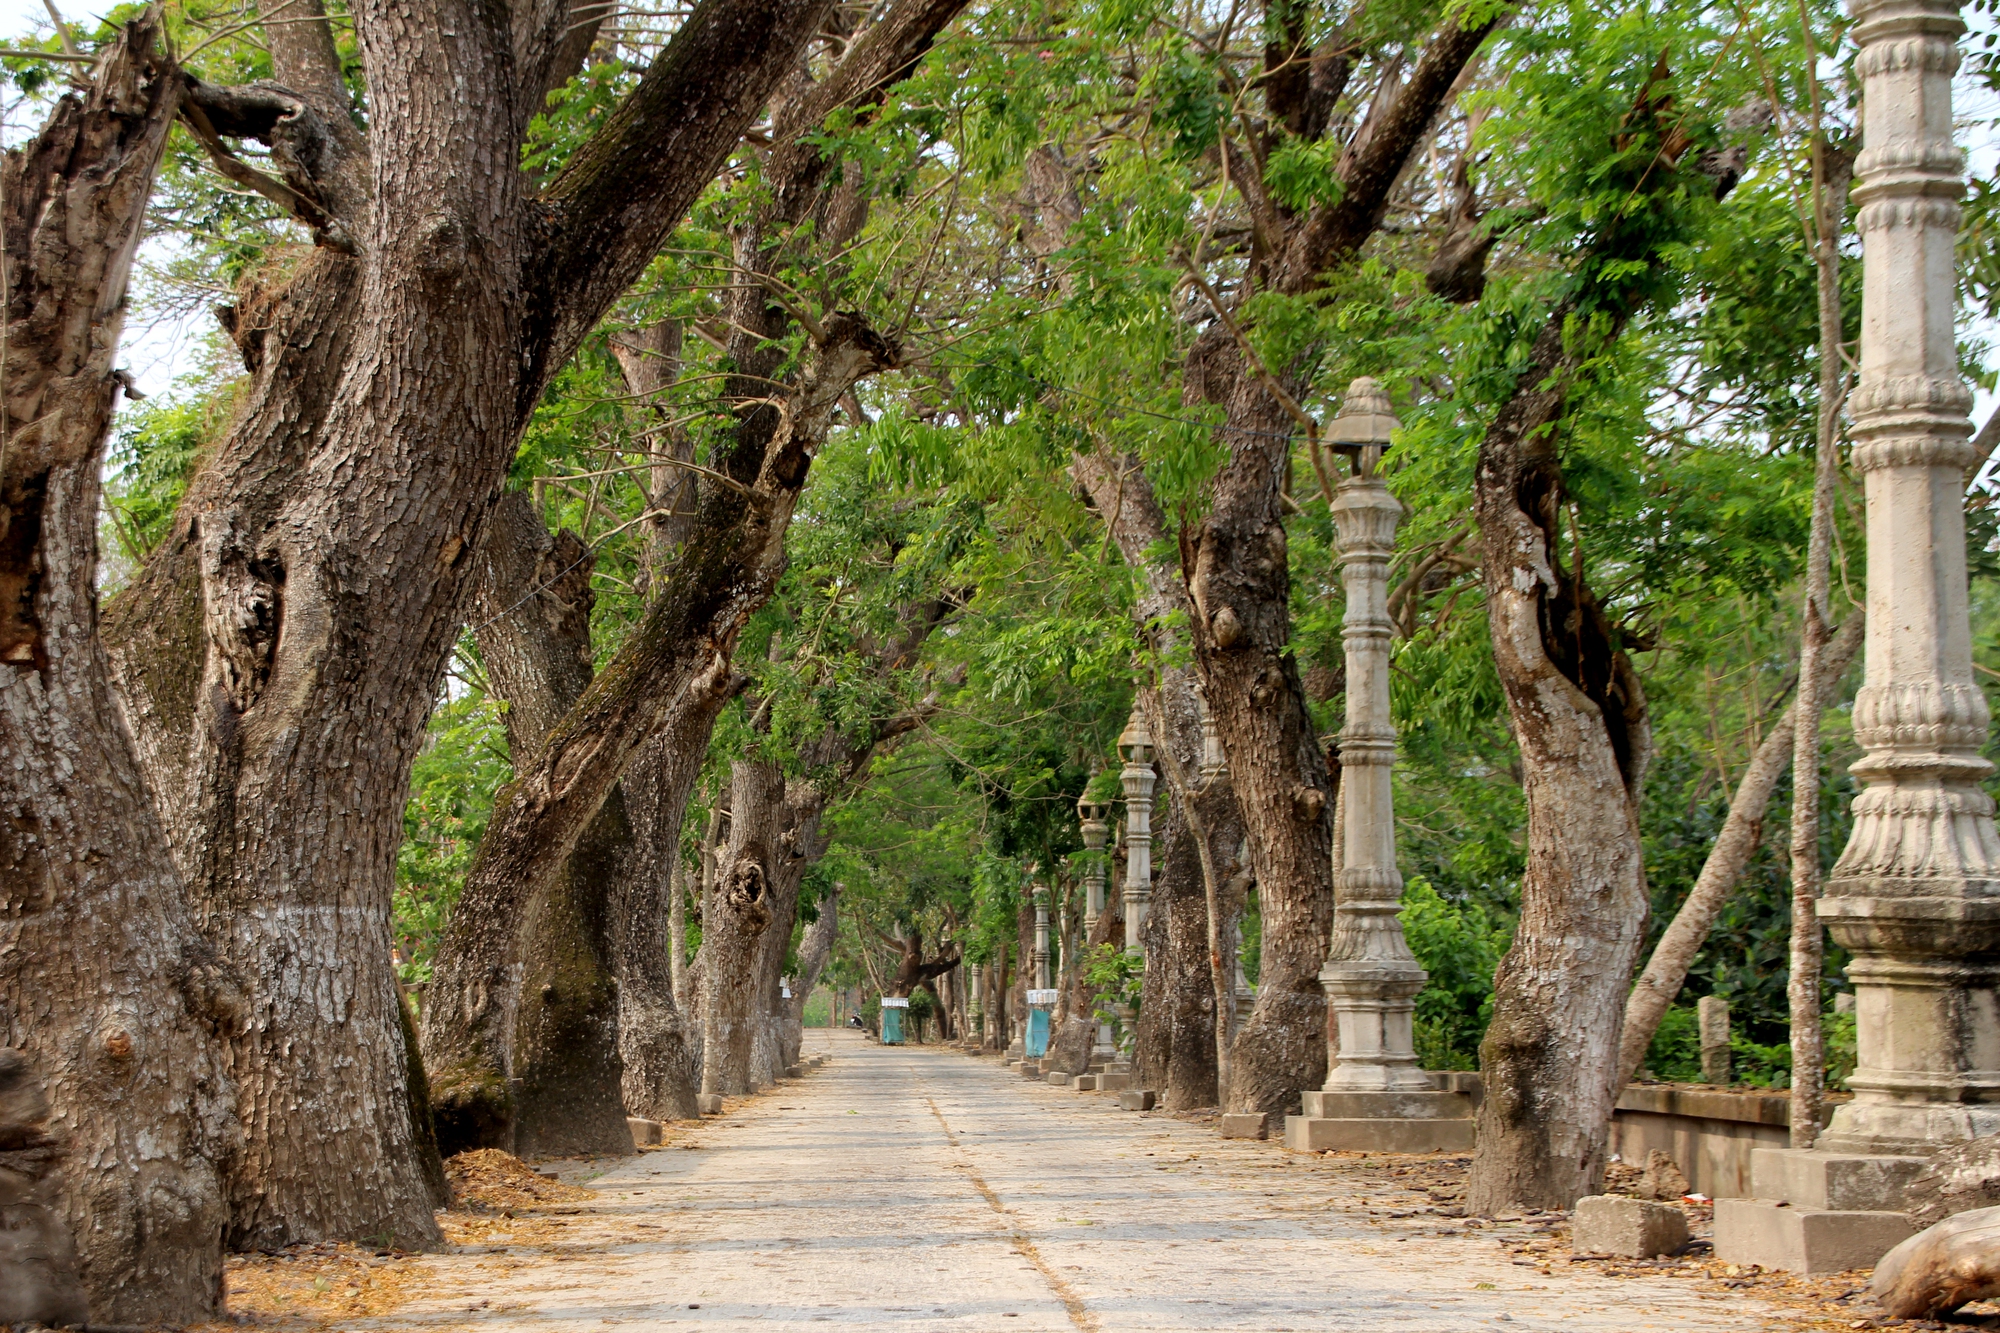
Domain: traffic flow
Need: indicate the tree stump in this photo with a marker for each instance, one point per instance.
(1940, 1269)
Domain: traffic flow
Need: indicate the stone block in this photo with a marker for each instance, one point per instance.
(1322, 1105)
(645, 1133)
(1137, 1099)
(1085, 1082)
(1834, 1182)
(1110, 1082)
(1245, 1125)
(1055, 1078)
(1032, 1069)
(1372, 1134)
(709, 1103)
(1629, 1228)
(1804, 1240)
(795, 1071)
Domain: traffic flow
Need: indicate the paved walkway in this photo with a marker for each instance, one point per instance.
(914, 1189)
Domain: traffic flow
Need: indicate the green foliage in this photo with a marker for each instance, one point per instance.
(1459, 944)
(463, 763)
(1115, 976)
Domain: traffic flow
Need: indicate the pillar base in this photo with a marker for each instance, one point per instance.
(1805, 1240)
(1313, 1134)
(1816, 1211)
(1382, 1122)
(1109, 1081)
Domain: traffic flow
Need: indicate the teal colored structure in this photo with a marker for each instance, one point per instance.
(892, 1020)
(1037, 1041)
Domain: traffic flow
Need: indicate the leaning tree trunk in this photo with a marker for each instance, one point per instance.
(282, 647)
(815, 951)
(1550, 1056)
(674, 665)
(521, 1034)
(106, 989)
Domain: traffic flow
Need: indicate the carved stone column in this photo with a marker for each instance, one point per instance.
(1040, 895)
(1375, 1097)
(1135, 747)
(1104, 1047)
(1090, 816)
(1916, 894)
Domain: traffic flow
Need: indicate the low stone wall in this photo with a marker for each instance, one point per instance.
(1709, 1132)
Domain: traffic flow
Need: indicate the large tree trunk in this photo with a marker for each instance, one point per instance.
(672, 670)
(1184, 994)
(541, 1071)
(733, 932)
(657, 1037)
(106, 988)
(1238, 575)
(282, 647)
(1550, 1056)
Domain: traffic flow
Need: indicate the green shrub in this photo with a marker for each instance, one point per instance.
(1460, 945)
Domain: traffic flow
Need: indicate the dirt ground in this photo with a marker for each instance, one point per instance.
(920, 1188)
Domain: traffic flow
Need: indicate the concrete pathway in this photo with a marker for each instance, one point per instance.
(920, 1189)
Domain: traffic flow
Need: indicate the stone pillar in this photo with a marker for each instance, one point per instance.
(1041, 899)
(1096, 833)
(1712, 1020)
(1375, 1098)
(1916, 894)
(1090, 816)
(1135, 747)
(975, 1013)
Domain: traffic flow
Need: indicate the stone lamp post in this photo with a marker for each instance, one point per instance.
(1090, 817)
(1040, 895)
(1096, 832)
(1916, 895)
(1375, 1097)
(1135, 747)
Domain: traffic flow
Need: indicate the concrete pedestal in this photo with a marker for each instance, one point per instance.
(1111, 1081)
(1031, 1069)
(1055, 1078)
(1817, 1212)
(1085, 1083)
(1382, 1122)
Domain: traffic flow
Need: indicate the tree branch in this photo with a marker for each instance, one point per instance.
(1338, 230)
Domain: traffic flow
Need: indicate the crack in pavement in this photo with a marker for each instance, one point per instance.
(1024, 1245)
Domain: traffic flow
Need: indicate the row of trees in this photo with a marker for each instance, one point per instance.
(680, 503)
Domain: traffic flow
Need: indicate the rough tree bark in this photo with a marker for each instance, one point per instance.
(674, 665)
(1550, 1056)
(545, 1002)
(734, 927)
(1579, 718)
(1189, 955)
(1832, 173)
(107, 991)
(1742, 829)
(279, 653)
(1235, 560)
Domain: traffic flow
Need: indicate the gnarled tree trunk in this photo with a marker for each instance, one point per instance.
(107, 992)
(282, 647)
(1550, 1056)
